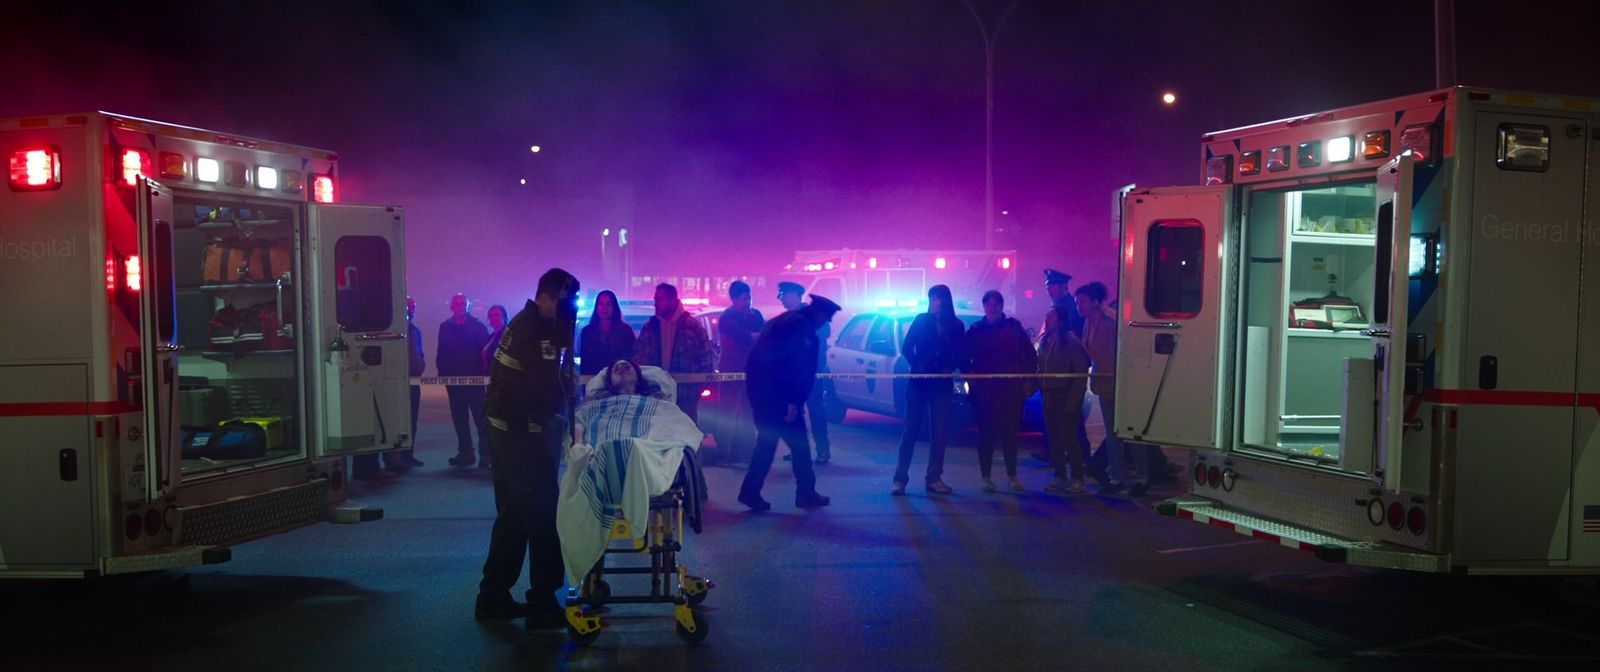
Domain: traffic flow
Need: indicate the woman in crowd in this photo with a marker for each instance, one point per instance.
(606, 338)
(1060, 351)
(935, 343)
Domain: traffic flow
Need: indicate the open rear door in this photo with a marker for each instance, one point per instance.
(357, 297)
(1390, 288)
(1171, 312)
(152, 271)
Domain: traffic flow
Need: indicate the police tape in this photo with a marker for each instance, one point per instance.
(734, 376)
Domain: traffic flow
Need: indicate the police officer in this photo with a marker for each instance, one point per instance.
(789, 294)
(782, 371)
(527, 393)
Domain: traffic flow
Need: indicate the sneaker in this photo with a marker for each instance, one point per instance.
(503, 609)
(1016, 485)
(1056, 484)
(754, 501)
(988, 485)
(939, 488)
(809, 500)
(897, 489)
(1138, 489)
(463, 460)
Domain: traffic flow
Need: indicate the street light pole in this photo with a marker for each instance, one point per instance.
(989, 39)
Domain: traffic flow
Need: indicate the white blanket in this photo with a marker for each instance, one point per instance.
(631, 449)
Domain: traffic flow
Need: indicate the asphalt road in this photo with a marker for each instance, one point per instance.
(970, 581)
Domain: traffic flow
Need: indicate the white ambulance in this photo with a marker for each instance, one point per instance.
(194, 339)
(1378, 330)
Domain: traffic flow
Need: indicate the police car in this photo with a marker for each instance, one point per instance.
(870, 343)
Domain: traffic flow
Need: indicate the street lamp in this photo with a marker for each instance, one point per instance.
(989, 38)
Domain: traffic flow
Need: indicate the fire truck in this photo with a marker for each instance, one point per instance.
(866, 280)
(196, 337)
(1376, 328)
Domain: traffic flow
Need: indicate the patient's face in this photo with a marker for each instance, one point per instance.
(626, 379)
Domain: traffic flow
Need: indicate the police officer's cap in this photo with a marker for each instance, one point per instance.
(790, 287)
(823, 304)
(1055, 277)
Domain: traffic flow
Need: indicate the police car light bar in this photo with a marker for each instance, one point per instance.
(35, 169)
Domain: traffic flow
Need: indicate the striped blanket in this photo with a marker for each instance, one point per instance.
(631, 450)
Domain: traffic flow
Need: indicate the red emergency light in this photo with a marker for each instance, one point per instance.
(134, 162)
(322, 188)
(36, 169)
(133, 274)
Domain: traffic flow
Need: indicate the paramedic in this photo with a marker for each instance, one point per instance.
(933, 344)
(527, 393)
(782, 371)
(461, 341)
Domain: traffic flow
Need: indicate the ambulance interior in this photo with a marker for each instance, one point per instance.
(237, 312)
(1308, 283)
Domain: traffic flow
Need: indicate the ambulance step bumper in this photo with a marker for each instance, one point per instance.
(251, 516)
(178, 558)
(1326, 547)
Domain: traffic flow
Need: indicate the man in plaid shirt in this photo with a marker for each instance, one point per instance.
(675, 341)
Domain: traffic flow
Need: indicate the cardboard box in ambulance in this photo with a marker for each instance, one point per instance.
(1376, 328)
(195, 338)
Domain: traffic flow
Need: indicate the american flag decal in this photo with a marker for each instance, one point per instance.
(1591, 518)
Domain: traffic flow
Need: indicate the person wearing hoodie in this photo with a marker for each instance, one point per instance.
(934, 344)
(998, 344)
(678, 343)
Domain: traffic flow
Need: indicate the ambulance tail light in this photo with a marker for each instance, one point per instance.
(35, 169)
(1417, 520)
(1375, 145)
(1200, 474)
(1419, 141)
(1214, 477)
(322, 188)
(134, 162)
(132, 526)
(133, 274)
(174, 166)
(1219, 169)
(1397, 515)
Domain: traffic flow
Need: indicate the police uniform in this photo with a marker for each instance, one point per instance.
(1074, 320)
(817, 404)
(525, 400)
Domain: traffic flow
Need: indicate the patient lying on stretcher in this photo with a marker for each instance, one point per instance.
(629, 440)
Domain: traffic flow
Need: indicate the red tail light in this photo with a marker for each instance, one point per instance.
(1199, 474)
(35, 169)
(1417, 520)
(135, 162)
(152, 522)
(1397, 515)
(705, 393)
(134, 274)
(132, 526)
(1214, 477)
(322, 188)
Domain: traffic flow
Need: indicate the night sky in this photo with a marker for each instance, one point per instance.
(728, 134)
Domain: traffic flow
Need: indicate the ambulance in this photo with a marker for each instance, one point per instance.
(1377, 329)
(195, 338)
(866, 280)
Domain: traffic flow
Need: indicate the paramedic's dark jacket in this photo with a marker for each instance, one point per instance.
(525, 384)
(782, 366)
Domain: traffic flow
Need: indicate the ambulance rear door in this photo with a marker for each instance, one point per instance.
(1171, 313)
(356, 266)
(151, 275)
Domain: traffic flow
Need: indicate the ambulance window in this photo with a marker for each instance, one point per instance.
(363, 283)
(1175, 269)
(854, 334)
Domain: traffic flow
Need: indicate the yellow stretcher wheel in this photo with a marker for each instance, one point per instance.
(582, 628)
(692, 625)
(695, 589)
